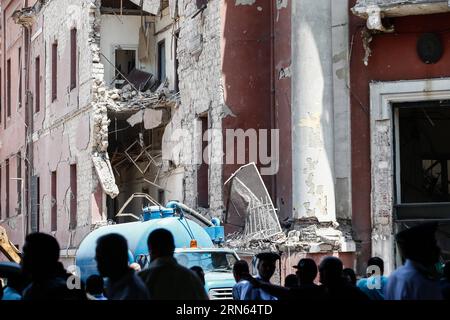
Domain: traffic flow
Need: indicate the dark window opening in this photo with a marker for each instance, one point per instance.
(54, 71)
(54, 202)
(177, 63)
(1, 184)
(73, 58)
(35, 203)
(1, 96)
(73, 198)
(20, 77)
(8, 88)
(7, 187)
(37, 83)
(38, 209)
(125, 63)
(19, 182)
(161, 197)
(423, 159)
(203, 170)
(162, 61)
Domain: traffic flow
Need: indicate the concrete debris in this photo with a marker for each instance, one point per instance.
(367, 39)
(128, 99)
(248, 197)
(307, 236)
(105, 174)
(101, 128)
(374, 20)
(25, 17)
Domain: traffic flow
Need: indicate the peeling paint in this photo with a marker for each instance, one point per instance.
(313, 121)
(245, 2)
(285, 73)
(281, 4)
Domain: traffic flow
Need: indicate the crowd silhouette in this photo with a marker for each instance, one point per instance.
(43, 277)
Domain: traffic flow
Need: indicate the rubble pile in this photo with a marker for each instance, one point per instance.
(305, 238)
(130, 99)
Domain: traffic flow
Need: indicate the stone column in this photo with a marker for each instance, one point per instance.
(312, 111)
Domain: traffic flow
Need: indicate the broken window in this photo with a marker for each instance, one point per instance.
(54, 202)
(73, 58)
(125, 63)
(37, 83)
(422, 159)
(162, 61)
(54, 71)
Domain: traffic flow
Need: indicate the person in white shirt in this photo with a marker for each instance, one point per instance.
(417, 278)
(266, 262)
(165, 278)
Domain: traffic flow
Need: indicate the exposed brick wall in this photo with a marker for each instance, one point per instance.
(201, 91)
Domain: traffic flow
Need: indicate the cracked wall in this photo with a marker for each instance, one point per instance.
(63, 132)
(201, 93)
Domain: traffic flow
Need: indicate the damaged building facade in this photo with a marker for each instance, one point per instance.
(103, 100)
(399, 112)
(107, 99)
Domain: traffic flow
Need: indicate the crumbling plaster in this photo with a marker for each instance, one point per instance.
(201, 92)
(63, 134)
(375, 10)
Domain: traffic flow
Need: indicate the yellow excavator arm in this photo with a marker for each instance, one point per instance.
(7, 248)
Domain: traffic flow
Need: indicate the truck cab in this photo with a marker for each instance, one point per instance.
(217, 264)
(195, 245)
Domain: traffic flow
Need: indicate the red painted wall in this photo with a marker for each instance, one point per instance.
(246, 68)
(394, 57)
(282, 55)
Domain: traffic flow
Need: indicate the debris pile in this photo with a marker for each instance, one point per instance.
(308, 237)
(131, 99)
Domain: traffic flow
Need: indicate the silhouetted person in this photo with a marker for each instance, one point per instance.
(334, 285)
(375, 283)
(305, 290)
(306, 272)
(350, 276)
(165, 278)
(40, 264)
(200, 273)
(445, 282)
(266, 265)
(417, 278)
(291, 281)
(112, 263)
(95, 287)
(240, 269)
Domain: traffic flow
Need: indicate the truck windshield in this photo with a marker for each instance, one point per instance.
(208, 261)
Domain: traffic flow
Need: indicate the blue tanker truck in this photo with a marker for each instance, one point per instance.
(195, 245)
